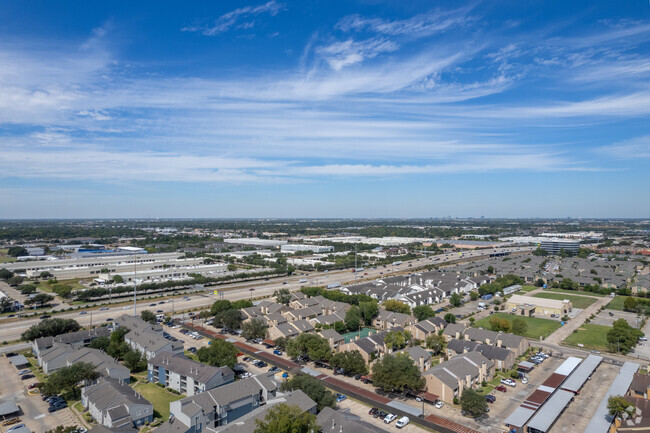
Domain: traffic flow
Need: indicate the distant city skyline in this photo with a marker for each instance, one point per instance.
(330, 109)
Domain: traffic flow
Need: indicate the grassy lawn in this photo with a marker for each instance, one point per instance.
(529, 288)
(581, 302)
(590, 336)
(575, 292)
(536, 327)
(159, 397)
(617, 303)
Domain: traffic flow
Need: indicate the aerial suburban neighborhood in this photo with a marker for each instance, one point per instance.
(437, 334)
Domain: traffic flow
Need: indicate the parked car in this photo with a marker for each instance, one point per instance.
(508, 382)
(277, 352)
(16, 427)
(357, 376)
(11, 421)
(273, 369)
(58, 406)
(34, 385)
(10, 354)
(524, 380)
(389, 418)
(110, 319)
(402, 422)
(490, 398)
(372, 411)
(25, 371)
(340, 398)
(440, 404)
(27, 376)
(501, 388)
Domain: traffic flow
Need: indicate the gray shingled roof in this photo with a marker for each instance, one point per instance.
(188, 367)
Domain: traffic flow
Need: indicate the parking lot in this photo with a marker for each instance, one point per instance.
(361, 410)
(33, 410)
(605, 319)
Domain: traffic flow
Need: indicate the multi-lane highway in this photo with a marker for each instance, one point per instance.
(11, 329)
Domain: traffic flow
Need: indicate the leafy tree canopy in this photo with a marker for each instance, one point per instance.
(51, 328)
(283, 418)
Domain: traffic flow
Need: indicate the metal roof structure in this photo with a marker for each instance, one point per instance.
(7, 408)
(547, 415)
(601, 420)
(19, 360)
(580, 375)
(519, 417)
(405, 408)
(526, 365)
(568, 366)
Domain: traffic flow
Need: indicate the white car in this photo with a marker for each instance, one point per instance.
(402, 422)
(389, 418)
(440, 404)
(524, 380)
(508, 382)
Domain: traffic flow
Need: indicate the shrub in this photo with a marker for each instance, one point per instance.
(456, 401)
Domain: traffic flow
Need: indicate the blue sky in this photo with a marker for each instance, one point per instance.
(324, 109)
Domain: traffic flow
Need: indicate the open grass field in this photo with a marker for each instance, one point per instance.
(527, 288)
(536, 327)
(159, 397)
(581, 302)
(590, 336)
(617, 303)
(575, 292)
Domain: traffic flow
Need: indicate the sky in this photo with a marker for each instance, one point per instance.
(368, 108)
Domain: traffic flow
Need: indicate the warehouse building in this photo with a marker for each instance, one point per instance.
(294, 248)
(529, 306)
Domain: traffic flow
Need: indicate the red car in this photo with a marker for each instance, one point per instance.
(34, 385)
(501, 388)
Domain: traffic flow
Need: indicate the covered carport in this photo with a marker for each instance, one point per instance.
(9, 409)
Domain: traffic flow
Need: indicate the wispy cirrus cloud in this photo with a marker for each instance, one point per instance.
(348, 52)
(243, 18)
(421, 25)
(638, 147)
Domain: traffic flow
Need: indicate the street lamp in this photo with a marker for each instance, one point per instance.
(251, 290)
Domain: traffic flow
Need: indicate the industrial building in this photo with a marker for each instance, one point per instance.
(256, 242)
(169, 273)
(294, 248)
(554, 246)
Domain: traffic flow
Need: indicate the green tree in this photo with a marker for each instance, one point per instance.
(490, 269)
(631, 304)
(353, 318)
(26, 289)
(397, 306)
(148, 316)
(315, 346)
(540, 252)
(232, 267)
(242, 303)
(218, 353)
(450, 318)
(473, 402)
(17, 252)
(67, 379)
(40, 298)
(312, 387)
(283, 418)
(369, 311)
(45, 275)
(135, 361)
(397, 372)
(231, 319)
(5, 274)
(15, 280)
(617, 405)
(282, 296)
(396, 340)
(118, 279)
(454, 300)
(281, 343)
(423, 312)
(436, 343)
(220, 306)
(254, 328)
(519, 326)
(100, 343)
(350, 361)
(51, 328)
(63, 429)
(499, 324)
(622, 337)
(473, 295)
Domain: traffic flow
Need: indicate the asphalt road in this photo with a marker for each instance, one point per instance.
(11, 329)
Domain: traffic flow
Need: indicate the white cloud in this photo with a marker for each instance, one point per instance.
(418, 26)
(344, 53)
(634, 148)
(229, 20)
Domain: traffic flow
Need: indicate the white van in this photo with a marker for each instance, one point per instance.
(402, 422)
